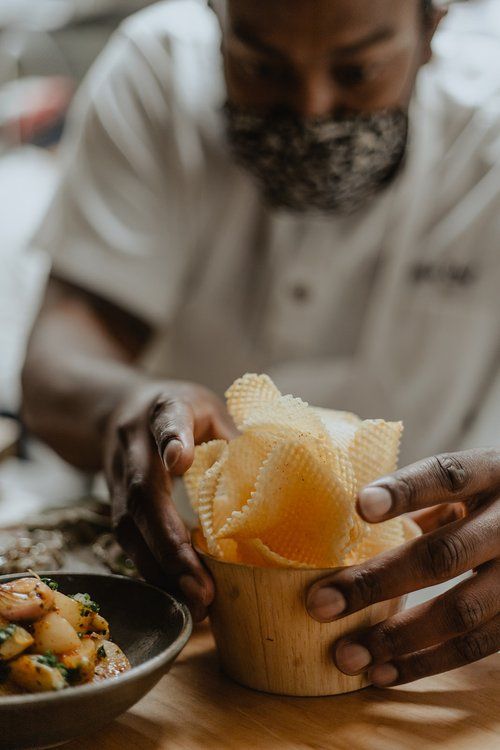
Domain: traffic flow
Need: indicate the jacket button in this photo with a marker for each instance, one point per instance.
(300, 292)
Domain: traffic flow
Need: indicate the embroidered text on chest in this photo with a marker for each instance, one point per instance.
(449, 273)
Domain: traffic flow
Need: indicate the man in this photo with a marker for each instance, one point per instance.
(296, 194)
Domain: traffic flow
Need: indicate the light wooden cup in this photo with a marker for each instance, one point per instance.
(265, 638)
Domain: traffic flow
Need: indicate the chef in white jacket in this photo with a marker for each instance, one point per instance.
(298, 189)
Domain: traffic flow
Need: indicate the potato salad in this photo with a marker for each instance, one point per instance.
(50, 640)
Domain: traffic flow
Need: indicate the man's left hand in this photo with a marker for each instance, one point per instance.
(460, 626)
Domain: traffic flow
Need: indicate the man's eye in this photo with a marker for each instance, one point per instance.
(262, 71)
(351, 75)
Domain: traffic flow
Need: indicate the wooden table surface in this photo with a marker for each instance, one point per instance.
(195, 707)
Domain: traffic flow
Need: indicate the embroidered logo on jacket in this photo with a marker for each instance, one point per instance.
(449, 274)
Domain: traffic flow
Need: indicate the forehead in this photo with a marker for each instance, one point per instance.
(319, 25)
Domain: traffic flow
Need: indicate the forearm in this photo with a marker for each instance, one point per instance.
(66, 402)
(76, 372)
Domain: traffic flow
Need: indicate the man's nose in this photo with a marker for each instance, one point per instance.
(316, 96)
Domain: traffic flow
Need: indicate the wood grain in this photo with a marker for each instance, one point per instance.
(265, 637)
(196, 707)
(267, 640)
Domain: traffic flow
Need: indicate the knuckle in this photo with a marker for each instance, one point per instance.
(366, 583)
(122, 434)
(452, 473)
(117, 466)
(136, 493)
(474, 646)
(415, 668)
(161, 407)
(403, 490)
(443, 557)
(386, 641)
(176, 552)
(468, 613)
(124, 429)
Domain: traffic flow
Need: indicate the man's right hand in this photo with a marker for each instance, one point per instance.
(150, 439)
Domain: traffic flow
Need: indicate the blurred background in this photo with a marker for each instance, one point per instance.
(46, 47)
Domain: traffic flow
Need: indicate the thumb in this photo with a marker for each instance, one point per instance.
(172, 423)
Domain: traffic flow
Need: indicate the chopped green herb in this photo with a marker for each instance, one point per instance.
(50, 583)
(48, 659)
(101, 652)
(87, 603)
(7, 632)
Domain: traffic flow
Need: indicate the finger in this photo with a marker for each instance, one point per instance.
(172, 425)
(132, 542)
(465, 649)
(432, 518)
(448, 478)
(462, 609)
(422, 562)
(150, 505)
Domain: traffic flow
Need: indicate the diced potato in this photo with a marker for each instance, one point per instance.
(54, 633)
(112, 664)
(73, 611)
(81, 662)
(99, 625)
(29, 673)
(13, 641)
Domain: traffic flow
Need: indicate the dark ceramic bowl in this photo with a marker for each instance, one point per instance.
(149, 625)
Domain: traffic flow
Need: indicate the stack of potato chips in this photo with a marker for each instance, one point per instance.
(283, 492)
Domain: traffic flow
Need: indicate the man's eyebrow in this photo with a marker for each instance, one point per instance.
(381, 34)
(247, 36)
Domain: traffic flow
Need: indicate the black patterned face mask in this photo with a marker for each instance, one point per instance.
(335, 164)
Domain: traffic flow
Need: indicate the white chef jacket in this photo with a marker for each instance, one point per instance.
(393, 312)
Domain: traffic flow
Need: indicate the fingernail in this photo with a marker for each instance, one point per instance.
(384, 675)
(326, 603)
(172, 453)
(374, 502)
(352, 658)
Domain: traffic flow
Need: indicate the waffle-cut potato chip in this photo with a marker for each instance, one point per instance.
(372, 447)
(290, 417)
(207, 489)
(265, 557)
(332, 418)
(283, 493)
(381, 537)
(299, 509)
(249, 554)
(246, 454)
(375, 450)
(247, 393)
(284, 414)
(204, 458)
